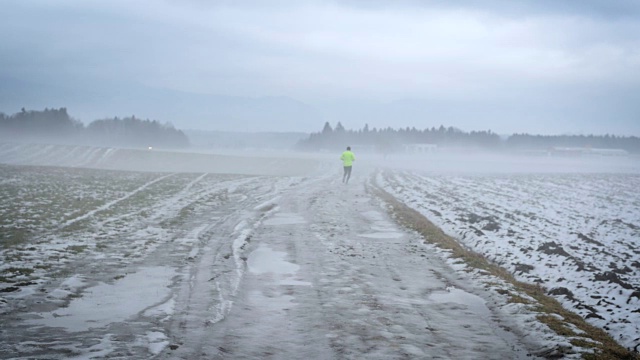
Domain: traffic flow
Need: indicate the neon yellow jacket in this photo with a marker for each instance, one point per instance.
(347, 158)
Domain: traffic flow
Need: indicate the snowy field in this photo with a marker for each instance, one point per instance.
(577, 235)
(102, 234)
(269, 256)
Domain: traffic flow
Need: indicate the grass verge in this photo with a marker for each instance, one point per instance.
(595, 342)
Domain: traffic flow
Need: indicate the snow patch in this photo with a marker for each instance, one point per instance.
(264, 260)
(163, 310)
(157, 342)
(285, 219)
(268, 205)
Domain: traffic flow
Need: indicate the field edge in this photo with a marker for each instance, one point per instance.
(592, 342)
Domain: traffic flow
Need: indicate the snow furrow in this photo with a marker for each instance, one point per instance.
(111, 203)
(573, 234)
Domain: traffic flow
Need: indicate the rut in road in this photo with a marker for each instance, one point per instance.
(328, 275)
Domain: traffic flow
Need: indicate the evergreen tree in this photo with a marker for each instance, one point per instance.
(389, 139)
(55, 126)
(327, 128)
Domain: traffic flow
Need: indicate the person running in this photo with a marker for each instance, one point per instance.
(347, 158)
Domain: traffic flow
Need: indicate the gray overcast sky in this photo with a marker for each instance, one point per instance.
(549, 67)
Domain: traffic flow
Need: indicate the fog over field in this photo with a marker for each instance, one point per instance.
(286, 162)
(319, 179)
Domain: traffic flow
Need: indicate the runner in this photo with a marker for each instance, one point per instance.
(347, 158)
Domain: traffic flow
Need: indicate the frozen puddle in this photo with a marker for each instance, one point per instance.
(264, 260)
(454, 295)
(285, 219)
(476, 307)
(104, 304)
(382, 229)
(382, 235)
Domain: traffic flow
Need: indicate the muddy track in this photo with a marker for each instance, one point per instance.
(261, 267)
(328, 275)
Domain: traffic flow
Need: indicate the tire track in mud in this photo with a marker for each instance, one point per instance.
(206, 271)
(201, 238)
(206, 292)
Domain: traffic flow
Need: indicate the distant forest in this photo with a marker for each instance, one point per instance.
(56, 126)
(390, 140)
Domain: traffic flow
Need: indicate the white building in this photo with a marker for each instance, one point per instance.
(582, 151)
(420, 148)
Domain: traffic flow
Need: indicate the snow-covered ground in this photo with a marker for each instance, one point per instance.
(182, 264)
(577, 235)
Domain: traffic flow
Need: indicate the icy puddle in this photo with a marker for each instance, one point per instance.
(382, 235)
(476, 307)
(104, 304)
(264, 260)
(381, 229)
(285, 219)
(454, 295)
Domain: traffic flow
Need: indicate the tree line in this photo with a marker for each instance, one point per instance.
(56, 126)
(389, 140)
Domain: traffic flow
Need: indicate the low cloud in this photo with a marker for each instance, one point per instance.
(323, 52)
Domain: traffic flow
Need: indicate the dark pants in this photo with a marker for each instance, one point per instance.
(347, 174)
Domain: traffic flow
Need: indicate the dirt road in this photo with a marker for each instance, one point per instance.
(201, 266)
(325, 274)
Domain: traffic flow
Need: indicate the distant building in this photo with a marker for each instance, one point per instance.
(420, 148)
(585, 151)
(609, 152)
